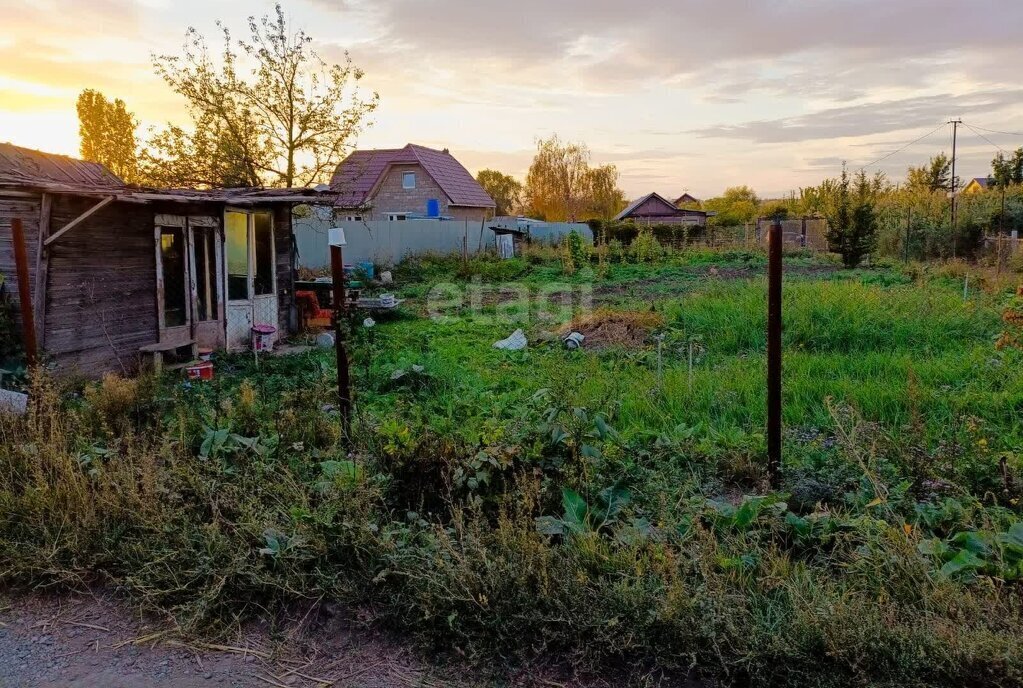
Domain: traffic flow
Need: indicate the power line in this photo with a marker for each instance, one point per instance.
(1000, 149)
(995, 131)
(894, 152)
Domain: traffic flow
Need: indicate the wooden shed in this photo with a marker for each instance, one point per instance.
(120, 273)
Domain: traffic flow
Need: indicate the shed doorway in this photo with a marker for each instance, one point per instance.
(251, 275)
(189, 291)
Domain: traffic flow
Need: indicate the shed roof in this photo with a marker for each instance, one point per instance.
(362, 171)
(26, 168)
(30, 165)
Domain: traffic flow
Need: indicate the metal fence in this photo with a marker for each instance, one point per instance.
(806, 233)
(387, 243)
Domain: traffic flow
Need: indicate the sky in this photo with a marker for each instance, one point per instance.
(679, 95)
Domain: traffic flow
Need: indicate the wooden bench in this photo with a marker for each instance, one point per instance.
(157, 351)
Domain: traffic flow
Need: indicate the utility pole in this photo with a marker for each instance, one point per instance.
(955, 130)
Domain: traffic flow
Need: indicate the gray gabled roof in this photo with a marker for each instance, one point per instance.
(638, 202)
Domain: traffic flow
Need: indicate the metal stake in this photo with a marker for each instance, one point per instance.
(344, 389)
(774, 274)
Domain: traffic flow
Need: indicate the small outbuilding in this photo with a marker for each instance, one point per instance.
(122, 273)
(655, 209)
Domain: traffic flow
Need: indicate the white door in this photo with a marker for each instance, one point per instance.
(251, 275)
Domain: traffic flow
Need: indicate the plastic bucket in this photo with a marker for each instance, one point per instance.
(263, 337)
(202, 371)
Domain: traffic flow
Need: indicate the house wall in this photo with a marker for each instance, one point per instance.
(391, 197)
(653, 211)
(695, 220)
(470, 214)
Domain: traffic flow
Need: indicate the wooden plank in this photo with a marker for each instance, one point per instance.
(42, 268)
(163, 220)
(78, 220)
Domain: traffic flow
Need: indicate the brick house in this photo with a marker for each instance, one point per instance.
(655, 209)
(407, 183)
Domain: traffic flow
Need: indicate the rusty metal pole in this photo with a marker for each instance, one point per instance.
(774, 272)
(28, 321)
(344, 388)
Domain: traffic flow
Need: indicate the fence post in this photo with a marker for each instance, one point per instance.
(909, 224)
(344, 387)
(774, 399)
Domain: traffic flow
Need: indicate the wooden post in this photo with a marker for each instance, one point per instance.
(42, 268)
(774, 274)
(28, 324)
(344, 388)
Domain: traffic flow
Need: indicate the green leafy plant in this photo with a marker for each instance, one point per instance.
(601, 515)
(968, 554)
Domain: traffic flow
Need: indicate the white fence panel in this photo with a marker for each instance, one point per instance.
(386, 243)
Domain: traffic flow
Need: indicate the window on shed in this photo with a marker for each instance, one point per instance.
(236, 235)
(408, 180)
(172, 262)
(397, 217)
(263, 283)
(205, 273)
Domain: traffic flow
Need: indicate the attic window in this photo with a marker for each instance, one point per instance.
(408, 180)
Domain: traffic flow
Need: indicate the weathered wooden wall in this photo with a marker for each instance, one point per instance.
(28, 210)
(284, 244)
(101, 299)
(101, 293)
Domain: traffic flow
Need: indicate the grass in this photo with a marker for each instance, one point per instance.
(606, 510)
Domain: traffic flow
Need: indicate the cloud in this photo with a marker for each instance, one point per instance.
(829, 48)
(866, 118)
(678, 94)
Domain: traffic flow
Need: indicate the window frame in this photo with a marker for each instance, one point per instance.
(405, 175)
(250, 248)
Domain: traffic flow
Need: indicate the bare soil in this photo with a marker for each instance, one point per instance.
(98, 641)
(88, 641)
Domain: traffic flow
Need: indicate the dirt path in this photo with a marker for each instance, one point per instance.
(96, 641)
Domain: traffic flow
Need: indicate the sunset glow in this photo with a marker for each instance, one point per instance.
(680, 96)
